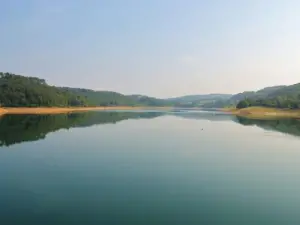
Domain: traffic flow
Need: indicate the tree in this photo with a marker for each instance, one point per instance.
(243, 104)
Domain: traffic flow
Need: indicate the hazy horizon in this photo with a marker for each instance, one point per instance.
(158, 48)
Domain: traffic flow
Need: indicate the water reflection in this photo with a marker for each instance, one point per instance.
(287, 126)
(20, 128)
(211, 116)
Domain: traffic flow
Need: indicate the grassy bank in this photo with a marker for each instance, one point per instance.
(57, 110)
(264, 112)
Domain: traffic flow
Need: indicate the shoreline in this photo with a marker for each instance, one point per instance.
(250, 112)
(61, 110)
(263, 112)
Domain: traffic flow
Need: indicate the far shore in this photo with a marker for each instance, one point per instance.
(264, 112)
(60, 110)
(251, 112)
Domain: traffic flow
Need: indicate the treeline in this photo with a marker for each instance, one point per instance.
(279, 102)
(249, 96)
(283, 97)
(21, 91)
(100, 98)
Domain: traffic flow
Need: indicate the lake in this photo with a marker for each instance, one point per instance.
(148, 168)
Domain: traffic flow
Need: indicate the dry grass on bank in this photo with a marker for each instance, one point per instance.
(58, 110)
(264, 112)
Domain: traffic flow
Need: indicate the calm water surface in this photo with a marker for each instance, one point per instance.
(148, 168)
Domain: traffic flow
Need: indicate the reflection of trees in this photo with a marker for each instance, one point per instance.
(211, 116)
(20, 128)
(288, 126)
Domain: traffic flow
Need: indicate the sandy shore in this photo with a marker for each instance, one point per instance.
(57, 110)
(263, 112)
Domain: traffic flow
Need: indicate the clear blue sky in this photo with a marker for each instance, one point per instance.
(161, 48)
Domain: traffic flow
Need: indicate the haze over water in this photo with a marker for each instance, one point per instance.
(148, 168)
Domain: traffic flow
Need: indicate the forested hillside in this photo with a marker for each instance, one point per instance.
(285, 97)
(254, 94)
(21, 91)
(207, 100)
(276, 96)
(101, 98)
(150, 101)
(18, 91)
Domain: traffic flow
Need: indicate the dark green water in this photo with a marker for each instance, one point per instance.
(148, 168)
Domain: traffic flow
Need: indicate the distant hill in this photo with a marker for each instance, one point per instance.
(235, 99)
(255, 94)
(198, 100)
(149, 101)
(191, 98)
(286, 91)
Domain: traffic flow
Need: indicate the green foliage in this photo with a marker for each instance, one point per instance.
(250, 95)
(284, 97)
(288, 103)
(20, 91)
(101, 98)
(142, 100)
(243, 104)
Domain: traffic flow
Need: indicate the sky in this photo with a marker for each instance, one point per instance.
(161, 48)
